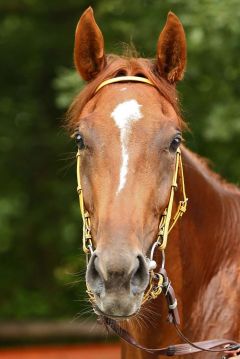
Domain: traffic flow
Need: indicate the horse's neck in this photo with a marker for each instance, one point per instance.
(210, 224)
(206, 240)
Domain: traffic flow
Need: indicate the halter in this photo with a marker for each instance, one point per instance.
(156, 281)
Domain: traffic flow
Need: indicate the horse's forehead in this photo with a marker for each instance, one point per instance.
(124, 99)
(125, 104)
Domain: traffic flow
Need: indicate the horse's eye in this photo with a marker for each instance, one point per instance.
(79, 141)
(175, 143)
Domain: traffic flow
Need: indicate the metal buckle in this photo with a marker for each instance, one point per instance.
(231, 348)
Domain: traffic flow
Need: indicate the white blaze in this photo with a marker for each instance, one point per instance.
(124, 115)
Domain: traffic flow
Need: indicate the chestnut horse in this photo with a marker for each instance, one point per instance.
(128, 134)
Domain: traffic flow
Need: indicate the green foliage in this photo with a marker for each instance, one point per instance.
(40, 228)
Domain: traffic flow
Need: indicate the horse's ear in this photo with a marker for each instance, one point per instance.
(89, 55)
(171, 50)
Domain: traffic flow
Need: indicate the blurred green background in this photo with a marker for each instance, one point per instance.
(41, 262)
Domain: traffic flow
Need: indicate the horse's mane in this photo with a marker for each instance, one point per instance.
(204, 165)
(126, 65)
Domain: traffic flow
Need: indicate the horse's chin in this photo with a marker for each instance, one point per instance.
(116, 317)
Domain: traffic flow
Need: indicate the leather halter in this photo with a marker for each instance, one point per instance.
(159, 282)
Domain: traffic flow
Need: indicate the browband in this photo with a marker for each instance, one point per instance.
(124, 79)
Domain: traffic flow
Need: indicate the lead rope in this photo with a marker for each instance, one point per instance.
(231, 348)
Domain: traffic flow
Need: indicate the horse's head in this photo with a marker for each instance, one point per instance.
(129, 133)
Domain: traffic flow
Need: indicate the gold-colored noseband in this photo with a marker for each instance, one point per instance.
(166, 222)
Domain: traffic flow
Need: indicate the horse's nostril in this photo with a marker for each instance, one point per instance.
(93, 276)
(117, 275)
(139, 279)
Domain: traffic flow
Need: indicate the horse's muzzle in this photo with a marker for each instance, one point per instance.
(118, 284)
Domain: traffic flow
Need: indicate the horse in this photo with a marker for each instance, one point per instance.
(129, 129)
